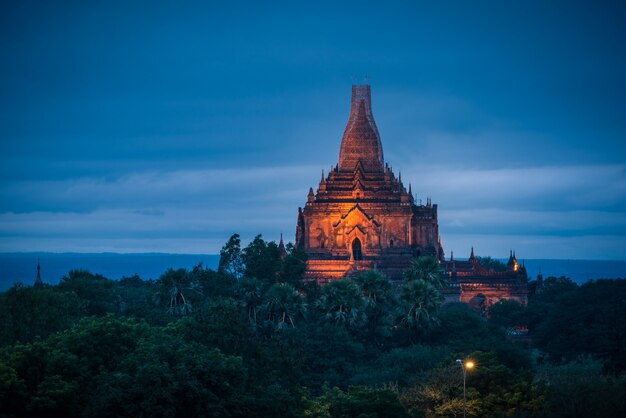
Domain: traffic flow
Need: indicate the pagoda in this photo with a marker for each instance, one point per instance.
(361, 216)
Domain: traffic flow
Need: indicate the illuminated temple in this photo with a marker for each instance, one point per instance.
(362, 217)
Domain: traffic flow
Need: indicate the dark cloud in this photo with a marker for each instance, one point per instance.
(168, 128)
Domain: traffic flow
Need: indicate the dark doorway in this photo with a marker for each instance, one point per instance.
(356, 250)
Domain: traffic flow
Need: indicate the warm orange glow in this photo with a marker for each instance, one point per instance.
(469, 364)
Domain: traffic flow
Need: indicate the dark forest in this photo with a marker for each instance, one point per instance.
(254, 339)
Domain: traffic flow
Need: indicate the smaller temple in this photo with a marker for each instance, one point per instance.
(38, 281)
(480, 287)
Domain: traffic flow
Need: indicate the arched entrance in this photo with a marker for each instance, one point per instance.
(356, 250)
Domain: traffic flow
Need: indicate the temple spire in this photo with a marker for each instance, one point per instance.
(361, 140)
(38, 281)
(281, 247)
(512, 264)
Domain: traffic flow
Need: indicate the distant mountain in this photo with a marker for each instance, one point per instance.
(579, 271)
(22, 267)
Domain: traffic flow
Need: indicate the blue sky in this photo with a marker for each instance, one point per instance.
(156, 126)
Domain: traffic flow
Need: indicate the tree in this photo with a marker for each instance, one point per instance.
(212, 284)
(587, 320)
(358, 402)
(262, 260)
(540, 304)
(578, 389)
(99, 293)
(251, 296)
(231, 258)
(502, 391)
(507, 314)
(111, 366)
(342, 304)
(138, 300)
(439, 393)
(493, 390)
(379, 302)
(28, 312)
(283, 305)
(172, 286)
(462, 329)
(419, 303)
(426, 268)
(491, 263)
(400, 366)
(293, 266)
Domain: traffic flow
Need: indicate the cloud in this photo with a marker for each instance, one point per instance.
(166, 189)
(547, 188)
(153, 210)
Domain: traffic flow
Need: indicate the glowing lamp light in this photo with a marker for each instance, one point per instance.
(469, 364)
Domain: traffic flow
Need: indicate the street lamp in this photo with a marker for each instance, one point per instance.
(468, 365)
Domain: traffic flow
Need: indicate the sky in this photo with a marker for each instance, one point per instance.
(168, 126)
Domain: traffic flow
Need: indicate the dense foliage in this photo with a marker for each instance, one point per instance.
(491, 263)
(254, 339)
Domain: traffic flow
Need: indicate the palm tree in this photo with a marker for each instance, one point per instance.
(379, 300)
(375, 287)
(341, 303)
(171, 286)
(283, 305)
(250, 293)
(426, 268)
(419, 303)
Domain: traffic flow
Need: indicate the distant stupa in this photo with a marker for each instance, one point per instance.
(38, 281)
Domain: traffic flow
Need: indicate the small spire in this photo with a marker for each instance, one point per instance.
(453, 272)
(472, 257)
(410, 192)
(281, 247)
(322, 181)
(38, 281)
